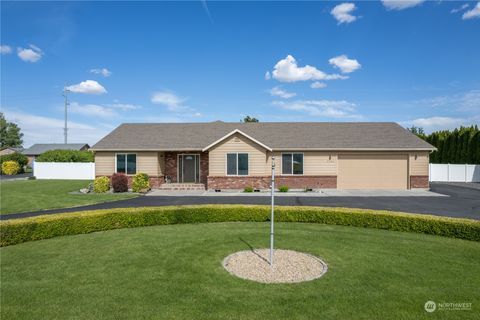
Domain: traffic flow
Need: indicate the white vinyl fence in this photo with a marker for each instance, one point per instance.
(454, 172)
(64, 170)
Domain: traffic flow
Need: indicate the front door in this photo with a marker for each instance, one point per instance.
(188, 167)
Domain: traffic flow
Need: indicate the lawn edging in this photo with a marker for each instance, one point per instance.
(48, 226)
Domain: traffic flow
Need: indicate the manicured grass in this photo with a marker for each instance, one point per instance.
(175, 272)
(35, 195)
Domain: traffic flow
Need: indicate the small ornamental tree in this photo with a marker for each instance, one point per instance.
(10, 168)
(119, 182)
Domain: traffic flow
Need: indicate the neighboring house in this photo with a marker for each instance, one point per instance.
(10, 150)
(220, 155)
(39, 148)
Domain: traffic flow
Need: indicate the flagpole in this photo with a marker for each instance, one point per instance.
(272, 218)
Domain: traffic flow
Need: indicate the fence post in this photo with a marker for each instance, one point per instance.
(465, 172)
(448, 172)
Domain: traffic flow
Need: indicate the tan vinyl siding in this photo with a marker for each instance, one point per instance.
(419, 166)
(257, 157)
(104, 163)
(314, 163)
(147, 162)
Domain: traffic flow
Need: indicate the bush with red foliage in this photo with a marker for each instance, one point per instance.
(119, 182)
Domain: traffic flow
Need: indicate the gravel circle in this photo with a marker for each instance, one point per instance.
(288, 266)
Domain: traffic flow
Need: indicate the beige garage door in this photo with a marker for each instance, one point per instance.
(368, 171)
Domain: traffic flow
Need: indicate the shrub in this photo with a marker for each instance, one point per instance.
(10, 168)
(101, 184)
(19, 158)
(248, 189)
(60, 155)
(119, 182)
(141, 182)
(48, 226)
(283, 188)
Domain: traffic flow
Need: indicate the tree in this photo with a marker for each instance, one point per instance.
(10, 135)
(249, 119)
(417, 131)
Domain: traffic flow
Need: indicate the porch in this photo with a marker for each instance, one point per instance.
(186, 170)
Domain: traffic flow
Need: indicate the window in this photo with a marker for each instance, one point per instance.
(127, 163)
(237, 164)
(292, 163)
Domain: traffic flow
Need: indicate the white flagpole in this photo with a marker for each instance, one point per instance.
(272, 218)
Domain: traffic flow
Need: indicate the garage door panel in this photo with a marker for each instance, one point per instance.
(368, 171)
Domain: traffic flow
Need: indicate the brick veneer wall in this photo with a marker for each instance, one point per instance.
(171, 165)
(419, 182)
(263, 182)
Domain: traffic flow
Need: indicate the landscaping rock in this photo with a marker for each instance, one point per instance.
(289, 266)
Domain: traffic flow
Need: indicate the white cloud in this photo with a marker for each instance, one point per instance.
(32, 54)
(4, 49)
(343, 12)
(87, 87)
(276, 91)
(344, 64)
(436, 123)
(466, 101)
(170, 100)
(474, 13)
(92, 110)
(461, 8)
(317, 85)
(400, 4)
(287, 70)
(321, 108)
(40, 129)
(103, 71)
(124, 106)
(267, 75)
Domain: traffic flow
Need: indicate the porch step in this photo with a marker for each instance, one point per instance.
(182, 186)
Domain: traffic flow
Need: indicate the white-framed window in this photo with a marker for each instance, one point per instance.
(237, 164)
(292, 163)
(126, 163)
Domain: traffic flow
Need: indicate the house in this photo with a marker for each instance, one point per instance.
(39, 148)
(221, 155)
(10, 150)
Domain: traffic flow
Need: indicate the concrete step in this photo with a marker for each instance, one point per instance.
(182, 186)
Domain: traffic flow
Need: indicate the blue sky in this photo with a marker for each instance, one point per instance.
(412, 62)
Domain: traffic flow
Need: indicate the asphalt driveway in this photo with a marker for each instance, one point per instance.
(460, 201)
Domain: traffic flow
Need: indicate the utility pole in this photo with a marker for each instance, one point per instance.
(65, 130)
(272, 218)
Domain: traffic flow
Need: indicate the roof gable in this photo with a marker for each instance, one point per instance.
(231, 134)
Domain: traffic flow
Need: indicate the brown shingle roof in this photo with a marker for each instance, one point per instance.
(276, 135)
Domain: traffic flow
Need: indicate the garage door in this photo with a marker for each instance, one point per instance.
(368, 171)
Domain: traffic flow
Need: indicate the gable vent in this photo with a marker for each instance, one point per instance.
(236, 139)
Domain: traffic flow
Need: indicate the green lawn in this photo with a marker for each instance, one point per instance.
(175, 272)
(34, 195)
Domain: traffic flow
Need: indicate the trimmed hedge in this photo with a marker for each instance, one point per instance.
(49, 226)
(61, 155)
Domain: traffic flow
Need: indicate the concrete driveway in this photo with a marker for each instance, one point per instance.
(443, 200)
